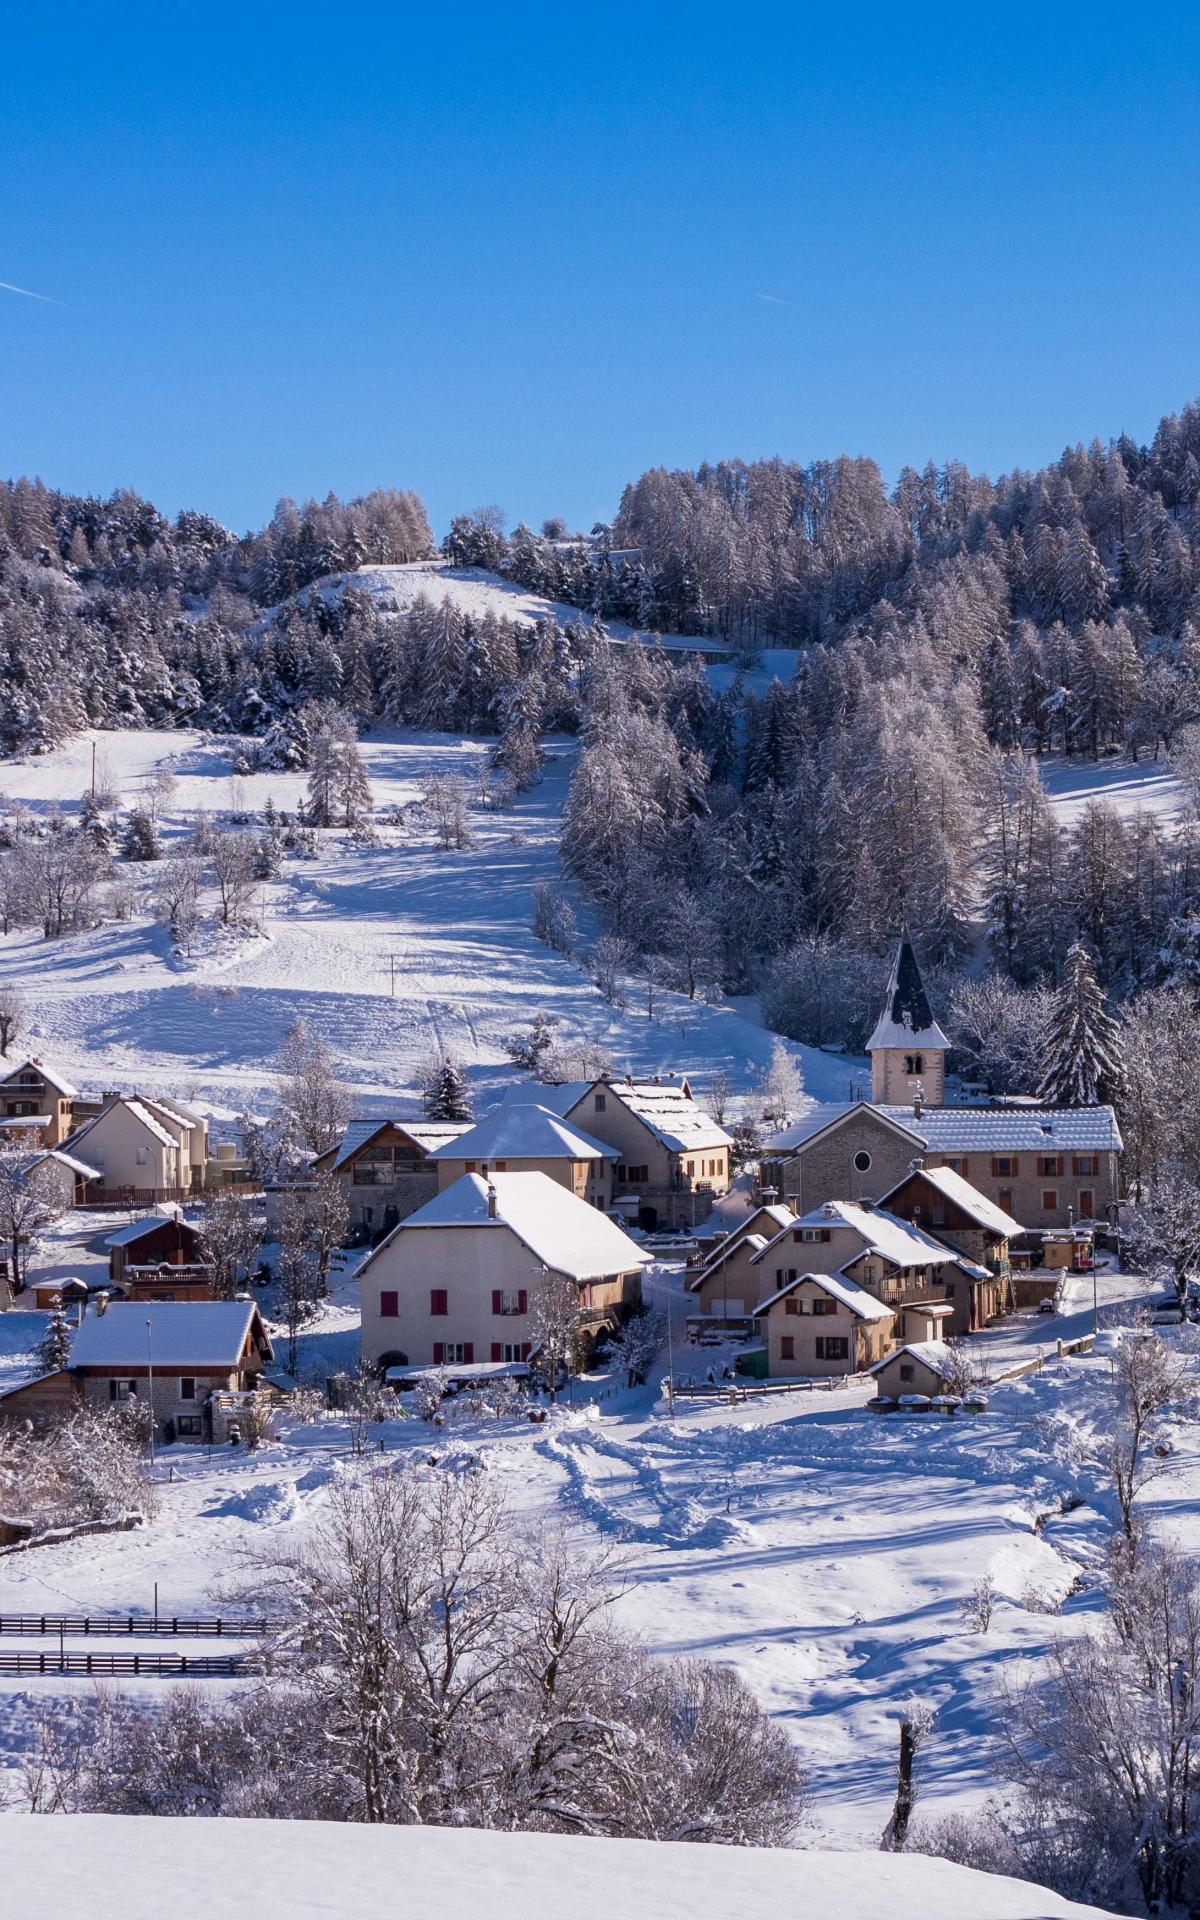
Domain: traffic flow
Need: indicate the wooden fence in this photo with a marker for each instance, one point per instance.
(87, 1624)
(112, 1666)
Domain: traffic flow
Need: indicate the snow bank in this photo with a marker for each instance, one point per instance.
(136, 1869)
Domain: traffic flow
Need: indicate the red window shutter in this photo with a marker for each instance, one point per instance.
(468, 1352)
(389, 1305)
(437, 1300)
(497, 1300)
(995, 1168)
(964, 1166)
(495, 1349)
(526, 1345)
(522, 1300)
(787, 1347)
(439, 1352)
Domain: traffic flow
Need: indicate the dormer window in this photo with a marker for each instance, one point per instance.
(914, 1063)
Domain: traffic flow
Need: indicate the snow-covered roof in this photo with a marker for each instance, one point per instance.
(135, 1229)
(181, 1333)
(935, 1354)
(859, 1301)
(970, 1129)
(426, 1134)
(962, 1194)
(65, 1159)
(173, 1110)
(520, 1132)
(895, 1240)
(560, 1230)
(48, 1074)
(748, 1233)
(140, 1113)
(907, 1018)
(557, 1096)
(1012, 1129)
(23, 1122)
(666, 1107)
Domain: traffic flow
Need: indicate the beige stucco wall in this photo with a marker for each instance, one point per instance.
(468, 1263)
(589, 1180)
(889, 1384)
(869, 1340)
(736, 1286)
(638, 1146)
(112, 1146)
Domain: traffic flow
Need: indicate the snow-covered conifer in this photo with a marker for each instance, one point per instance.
(1082, 1044)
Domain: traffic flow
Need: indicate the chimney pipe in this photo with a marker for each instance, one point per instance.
(101, 1305)
(491, 1200)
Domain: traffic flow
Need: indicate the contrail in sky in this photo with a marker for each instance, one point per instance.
(775, 299)
(8, 287)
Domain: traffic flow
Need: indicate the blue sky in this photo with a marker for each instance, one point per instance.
(519, 256)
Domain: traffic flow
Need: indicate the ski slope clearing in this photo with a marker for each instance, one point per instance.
(1152, 785)
(112, 1006)
(114, 1869)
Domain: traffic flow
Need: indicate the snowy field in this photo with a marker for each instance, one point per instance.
(117, 1870)
(115, 1007)
(1152, 785)
(824, 1551)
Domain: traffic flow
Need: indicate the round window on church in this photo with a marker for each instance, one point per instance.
(862, 1161)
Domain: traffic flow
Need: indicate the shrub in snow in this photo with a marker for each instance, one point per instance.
(976, 1609)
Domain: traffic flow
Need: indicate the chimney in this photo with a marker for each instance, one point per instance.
(491, 1199)
(918, 1099)
(829, 1210)
(101, 1305)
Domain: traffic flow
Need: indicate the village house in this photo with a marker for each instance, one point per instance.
(949, 1207)
(385, 1168)
(160, 1257)
(458, 1281)
(36, 1103)
(1043, 1166)
(818, 1325)
(187, 1362)
(138, 1153)
(726, 1285)
(516, 1138)
(672, 1157)
(928, 1368)
(928, 1286)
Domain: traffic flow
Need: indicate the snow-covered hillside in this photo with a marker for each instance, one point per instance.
(112, 1869)
(1153, 785)
(113, 1006)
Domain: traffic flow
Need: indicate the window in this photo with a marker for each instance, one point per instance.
(373, 1170)
(601, 1102)
(787, 1347)
(389, 1304)
(510, 1350)
(822, 1304)
(143, 1156)
(833, 1347)
(937, 1213)
(1004, 1166)
(791, 1304)
(453, 1353)
(189, 1426)
(907, 1370)
(187, 1388)
(509, 1301)
(469, 1166)
(1088, 1163)
(438, 1301)
(691, 1166)
(1005, 1198)
(1049, 1165)
(1087, 1204)
(810, 1234)
(122, 1389)
(957, 1164)
(862, 1161)
(1049, 1199)
(914, 1063)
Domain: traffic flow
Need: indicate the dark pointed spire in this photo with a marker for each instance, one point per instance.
(907, 1013)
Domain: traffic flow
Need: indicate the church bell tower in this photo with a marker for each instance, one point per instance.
(907, 1048)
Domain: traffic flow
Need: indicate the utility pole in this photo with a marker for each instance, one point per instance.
(150, 1386)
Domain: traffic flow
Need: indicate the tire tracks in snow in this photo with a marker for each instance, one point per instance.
(616, 1486)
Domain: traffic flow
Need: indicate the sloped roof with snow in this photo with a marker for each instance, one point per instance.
(520, 1132)
(895, 1240)
(557, 1096)
(861, 1303)
(971, 1129)
(667, 1108)
(173, 1110)
(140, 1113)
(48, 1074)
(560, 1230)
(197, 1333)
(426, 1134)
(935, 1354)
(134, 1230)
(65, 1159)
(962, 1194)
(754, 1231)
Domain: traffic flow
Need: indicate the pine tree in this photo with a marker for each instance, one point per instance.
(1081, 1041)
(444, 1094)
(139, 840)
(53, 1350)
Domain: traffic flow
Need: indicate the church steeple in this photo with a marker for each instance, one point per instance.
(907, 1048)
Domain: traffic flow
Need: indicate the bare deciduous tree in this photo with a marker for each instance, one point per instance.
(30, 1201)
(314, 1099)
(12, 1016)
(232, 1235)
